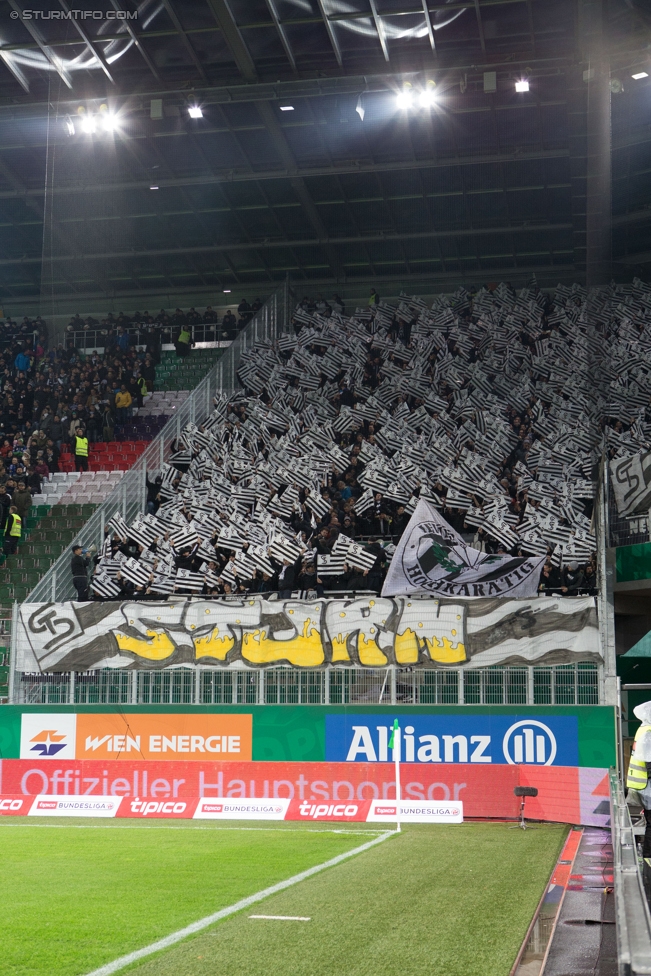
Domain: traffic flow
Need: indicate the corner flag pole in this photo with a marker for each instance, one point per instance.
(394, 743)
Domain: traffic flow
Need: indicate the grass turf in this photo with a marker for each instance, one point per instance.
(76, 896)
(434, 901)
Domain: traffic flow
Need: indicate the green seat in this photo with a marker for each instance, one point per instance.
(38, 549)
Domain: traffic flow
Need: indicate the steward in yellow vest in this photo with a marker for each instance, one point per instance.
(81, 450)
(13, 532)
(637, 784)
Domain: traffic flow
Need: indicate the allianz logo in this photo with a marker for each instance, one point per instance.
(528, 741)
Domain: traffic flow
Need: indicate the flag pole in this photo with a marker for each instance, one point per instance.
(395, 744)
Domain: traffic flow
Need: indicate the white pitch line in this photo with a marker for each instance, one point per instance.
(155, 826)
(204, 923)
(283, 918)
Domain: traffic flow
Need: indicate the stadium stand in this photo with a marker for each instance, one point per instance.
(46, 393)
(485, 405)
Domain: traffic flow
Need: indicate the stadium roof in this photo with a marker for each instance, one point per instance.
(302, 161)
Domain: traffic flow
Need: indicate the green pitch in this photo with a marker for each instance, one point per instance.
(447, 901)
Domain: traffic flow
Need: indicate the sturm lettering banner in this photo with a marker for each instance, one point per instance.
(432, 558)
(366, 632)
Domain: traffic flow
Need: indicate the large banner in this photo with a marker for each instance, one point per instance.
(305, 791)
(631, 479)
(432, 558)
(367, 632)
(194, 741)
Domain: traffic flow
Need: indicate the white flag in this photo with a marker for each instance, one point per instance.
(631, 477)
(432, 558)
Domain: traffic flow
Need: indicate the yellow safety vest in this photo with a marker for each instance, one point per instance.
(81, 446)
(16, 526)
(637, 775)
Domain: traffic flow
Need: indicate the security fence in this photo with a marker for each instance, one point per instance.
(128, 498)
(572, 684)
(632, 918)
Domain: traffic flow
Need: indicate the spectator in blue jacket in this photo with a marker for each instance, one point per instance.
(22, 362)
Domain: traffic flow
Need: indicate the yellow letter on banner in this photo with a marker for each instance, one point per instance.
(156, 648)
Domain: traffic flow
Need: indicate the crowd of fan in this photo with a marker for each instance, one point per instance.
(164, 326)
(48, 393)
(495, 408)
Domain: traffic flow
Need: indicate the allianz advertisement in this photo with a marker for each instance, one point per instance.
(469, 738)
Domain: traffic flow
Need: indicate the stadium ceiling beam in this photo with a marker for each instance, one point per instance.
(330, 32)
(95, 51)
(343, 169)
(480, 27)
(282, 33)
(430, 29)
(254, 90)
(46, 51)
(527, 228)
(136, 40)
(187, 44)
(345, 199)
(246, 67)
(379, 26)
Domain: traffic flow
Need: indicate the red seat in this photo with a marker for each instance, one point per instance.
(100, 447)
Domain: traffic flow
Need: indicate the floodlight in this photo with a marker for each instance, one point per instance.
(404, 99)
(194, 111)
(286, 108)
(522, 86)
(359, 108)
(227, 291)
(109, 122)
(88, 125)
(639, 75)
(153, 187)
(70, 126)
(427, 96)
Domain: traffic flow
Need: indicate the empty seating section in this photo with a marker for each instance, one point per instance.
(184, 373)
(114, 456)
(84, 487)
(47, 532)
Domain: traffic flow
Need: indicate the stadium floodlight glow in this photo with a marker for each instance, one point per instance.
(153, 187)
(194, 111)
(359, 108)
(428, 96)
(639, 75)
(88, 125)
(522, 85)
(227, 291)
(286, 108)
(109, 122)
(70, 126)
(405, 98)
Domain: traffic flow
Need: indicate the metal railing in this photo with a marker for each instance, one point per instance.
(632, 918)
(573, 684)
(128, 497)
